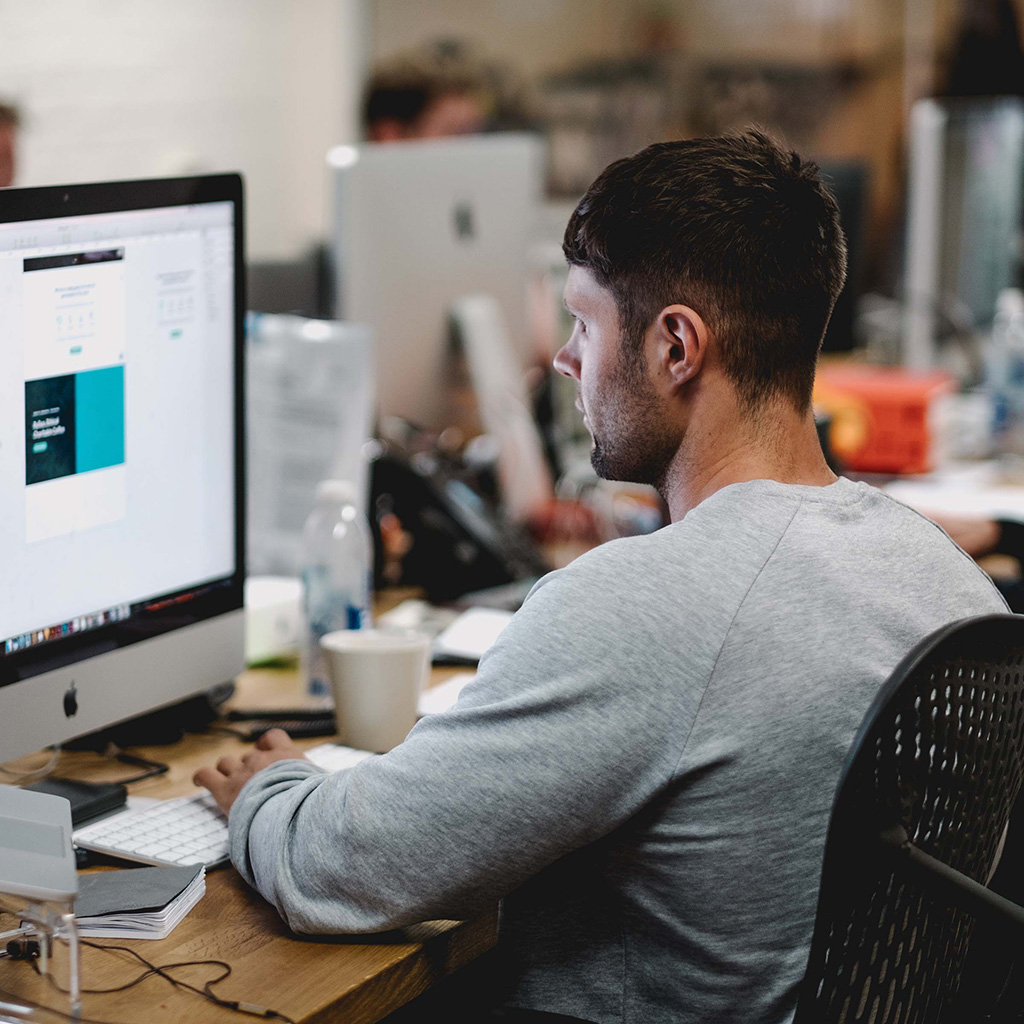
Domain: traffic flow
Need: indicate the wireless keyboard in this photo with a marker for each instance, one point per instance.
(189, 829)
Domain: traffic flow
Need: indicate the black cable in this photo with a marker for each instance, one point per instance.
(32, 774)
(206, 992)
(150, 970)
(153, 768)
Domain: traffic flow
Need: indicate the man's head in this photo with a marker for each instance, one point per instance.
(10, 121)
(425, 94)
(713, 259)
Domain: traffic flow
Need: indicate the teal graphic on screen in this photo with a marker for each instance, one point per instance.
(74, 423)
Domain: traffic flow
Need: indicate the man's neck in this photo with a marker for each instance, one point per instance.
(783, 445)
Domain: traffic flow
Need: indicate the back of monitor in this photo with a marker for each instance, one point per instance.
(418, 226)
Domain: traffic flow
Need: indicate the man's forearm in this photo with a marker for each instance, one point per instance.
(270, 795)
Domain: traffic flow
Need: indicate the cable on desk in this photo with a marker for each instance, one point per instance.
(34, 773)
(153, 768)
(206, 992)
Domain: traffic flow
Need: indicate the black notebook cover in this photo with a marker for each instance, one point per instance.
(132, 890)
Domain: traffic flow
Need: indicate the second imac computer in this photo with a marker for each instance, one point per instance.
(121, 451)
(419, 226)
(431, 242)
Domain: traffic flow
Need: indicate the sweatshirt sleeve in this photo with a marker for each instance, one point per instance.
(551, 747)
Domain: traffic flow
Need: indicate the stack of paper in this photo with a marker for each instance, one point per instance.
(443, 696)
(333, 757)
(137, 903)
(469, 636)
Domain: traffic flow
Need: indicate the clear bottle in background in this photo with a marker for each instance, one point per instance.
(337, 571)
(1004, 372)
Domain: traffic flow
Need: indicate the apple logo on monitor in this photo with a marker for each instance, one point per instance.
(71, 701)
(462, 215)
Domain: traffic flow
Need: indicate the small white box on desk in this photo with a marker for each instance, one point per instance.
(273, 618)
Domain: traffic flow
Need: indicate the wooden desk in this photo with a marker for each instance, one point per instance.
(311, 980)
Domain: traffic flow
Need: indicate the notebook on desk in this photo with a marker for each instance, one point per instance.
(139, 903)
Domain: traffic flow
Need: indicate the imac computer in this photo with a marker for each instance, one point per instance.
(417, 227)
(121, 451)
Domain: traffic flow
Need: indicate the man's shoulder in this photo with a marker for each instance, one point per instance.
(734, 524)
(681, 546)
(730, 537)
(924, 540)
(702, 558)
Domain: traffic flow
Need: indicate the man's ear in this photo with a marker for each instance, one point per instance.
(681, 341)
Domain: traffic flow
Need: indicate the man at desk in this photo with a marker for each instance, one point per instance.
(643, 769)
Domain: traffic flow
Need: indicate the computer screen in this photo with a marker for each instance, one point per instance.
(120, 440)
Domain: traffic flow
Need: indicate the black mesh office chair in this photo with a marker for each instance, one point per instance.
(920, 810)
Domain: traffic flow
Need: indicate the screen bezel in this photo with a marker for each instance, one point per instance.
(224, 594)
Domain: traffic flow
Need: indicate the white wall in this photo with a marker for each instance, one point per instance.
(138, 88)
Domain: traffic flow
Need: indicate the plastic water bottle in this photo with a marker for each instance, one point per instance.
(1004, 371)
(337, 574)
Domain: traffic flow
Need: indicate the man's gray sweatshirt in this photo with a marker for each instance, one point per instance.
(644, 767)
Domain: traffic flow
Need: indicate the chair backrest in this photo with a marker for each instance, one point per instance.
(940, 753)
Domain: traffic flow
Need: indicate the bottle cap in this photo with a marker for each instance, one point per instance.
(340, 492)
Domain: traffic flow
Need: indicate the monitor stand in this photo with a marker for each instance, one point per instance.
(161, 727)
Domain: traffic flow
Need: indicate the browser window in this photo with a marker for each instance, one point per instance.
(116, 411)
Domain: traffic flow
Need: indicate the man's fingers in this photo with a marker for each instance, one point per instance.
(207, 777)
(255, 760)
(274, 739)
(227, 778)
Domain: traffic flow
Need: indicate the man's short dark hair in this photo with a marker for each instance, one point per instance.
(736, 227)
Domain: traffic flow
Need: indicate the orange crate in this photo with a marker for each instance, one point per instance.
(881, 416)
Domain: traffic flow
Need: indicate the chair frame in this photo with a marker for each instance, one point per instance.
(906, 861)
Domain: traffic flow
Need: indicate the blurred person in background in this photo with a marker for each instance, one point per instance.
(438, 90)
(10, 123)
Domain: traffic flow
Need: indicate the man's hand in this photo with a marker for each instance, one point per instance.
(226, 780)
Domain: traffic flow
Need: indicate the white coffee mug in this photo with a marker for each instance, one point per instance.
(376, 677)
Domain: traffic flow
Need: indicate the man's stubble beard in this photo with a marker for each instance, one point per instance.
(635, 444)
